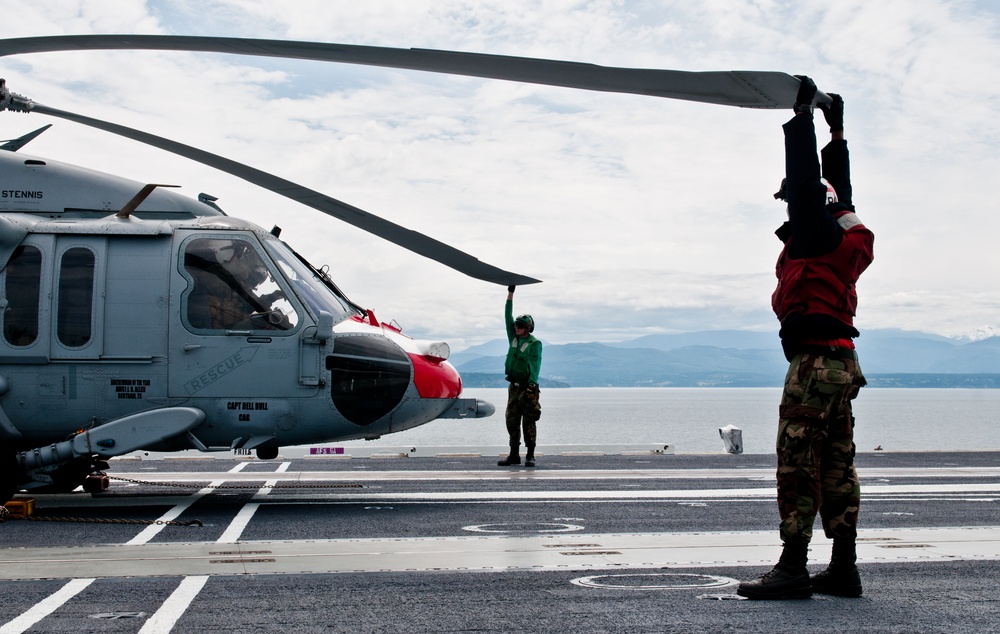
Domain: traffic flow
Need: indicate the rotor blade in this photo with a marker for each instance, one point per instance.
(406, 238)
(747, 89)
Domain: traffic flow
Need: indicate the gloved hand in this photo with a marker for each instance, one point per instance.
(807, 92)
(510, 289)
(834, 112)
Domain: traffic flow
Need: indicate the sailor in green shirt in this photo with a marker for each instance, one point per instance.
(524, 361)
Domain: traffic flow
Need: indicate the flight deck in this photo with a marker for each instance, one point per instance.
(636, 541)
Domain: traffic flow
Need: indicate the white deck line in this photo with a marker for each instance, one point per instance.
(368, 475)
(164, 619)
(342, 450)
(46, 606)
(992, 489)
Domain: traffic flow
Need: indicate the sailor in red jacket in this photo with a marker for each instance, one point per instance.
(826, 250)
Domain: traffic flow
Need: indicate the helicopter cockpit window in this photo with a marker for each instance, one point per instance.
(313, 291)
(22, 283)
(76, 297)
(233, 288)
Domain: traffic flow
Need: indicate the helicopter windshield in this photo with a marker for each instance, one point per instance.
(233, 288)
(306, 281)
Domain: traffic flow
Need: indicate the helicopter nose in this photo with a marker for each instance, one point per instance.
(432, 374)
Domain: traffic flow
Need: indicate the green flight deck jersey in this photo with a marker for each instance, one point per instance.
(524, 356)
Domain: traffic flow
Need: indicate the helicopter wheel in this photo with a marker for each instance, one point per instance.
(8, 474)
(267, 453)
(69, 476)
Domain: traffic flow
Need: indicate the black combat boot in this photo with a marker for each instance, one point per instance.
(789, 579)
(512, 459)
(841, 578)
(529, 458)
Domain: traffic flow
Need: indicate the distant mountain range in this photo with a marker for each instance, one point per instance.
(732, 358)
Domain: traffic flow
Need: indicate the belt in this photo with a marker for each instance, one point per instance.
(823, 351)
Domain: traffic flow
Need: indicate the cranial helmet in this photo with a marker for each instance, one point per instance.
(526, 321)
(831, 194)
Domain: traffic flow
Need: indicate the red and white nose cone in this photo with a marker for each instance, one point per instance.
(435, 378)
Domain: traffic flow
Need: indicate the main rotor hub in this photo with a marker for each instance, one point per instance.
(13, 101)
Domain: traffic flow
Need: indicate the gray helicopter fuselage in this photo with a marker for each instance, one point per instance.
(177, 305)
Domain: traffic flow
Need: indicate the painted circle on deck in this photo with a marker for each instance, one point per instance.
(521, 528)
(654, 581)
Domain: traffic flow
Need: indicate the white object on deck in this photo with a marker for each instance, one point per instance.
(732, 438)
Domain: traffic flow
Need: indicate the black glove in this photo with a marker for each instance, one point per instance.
(510, 289)
(834, 112)
(807, 92)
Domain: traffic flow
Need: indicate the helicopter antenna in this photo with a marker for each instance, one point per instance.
(143, 194)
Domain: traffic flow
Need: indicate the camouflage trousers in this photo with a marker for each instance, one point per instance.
(816, 447)
(523, 409)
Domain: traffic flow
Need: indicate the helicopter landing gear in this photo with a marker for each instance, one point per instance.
(76, 473)
(267, 453)
(8, 474)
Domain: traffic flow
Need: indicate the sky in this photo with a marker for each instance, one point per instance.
(641, 215)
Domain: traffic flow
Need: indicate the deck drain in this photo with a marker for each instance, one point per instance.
(722, 597)
(113, 616)
(661, 581)
(523, 528)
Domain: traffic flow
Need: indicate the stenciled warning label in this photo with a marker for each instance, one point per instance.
(130, 388)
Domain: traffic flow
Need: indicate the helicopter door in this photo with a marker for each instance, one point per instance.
(234, 324)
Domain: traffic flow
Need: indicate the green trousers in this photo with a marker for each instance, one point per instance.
(523, 410)
(815, 446)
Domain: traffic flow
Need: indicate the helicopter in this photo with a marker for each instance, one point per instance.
(136, 318)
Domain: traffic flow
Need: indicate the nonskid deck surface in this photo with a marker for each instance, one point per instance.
(584, 533)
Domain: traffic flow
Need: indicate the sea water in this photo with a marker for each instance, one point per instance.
(894, 419)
